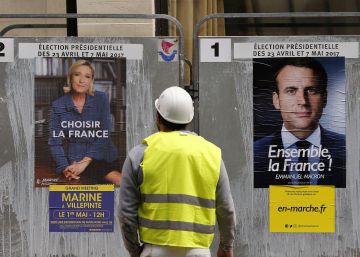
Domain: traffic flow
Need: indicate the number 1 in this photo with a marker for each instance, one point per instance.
(216, 49)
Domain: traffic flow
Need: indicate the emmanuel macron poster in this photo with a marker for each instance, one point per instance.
(299, 121)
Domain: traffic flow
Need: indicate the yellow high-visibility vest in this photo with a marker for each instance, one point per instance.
(180, 175)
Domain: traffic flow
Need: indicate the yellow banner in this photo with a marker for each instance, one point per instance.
(81, 187)
(302, 209)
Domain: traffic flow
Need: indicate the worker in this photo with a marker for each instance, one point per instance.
(174, 187)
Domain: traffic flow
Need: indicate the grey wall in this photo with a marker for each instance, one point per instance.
(24, 229)
(226, 118)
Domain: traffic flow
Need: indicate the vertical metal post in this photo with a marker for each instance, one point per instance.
(72, 28)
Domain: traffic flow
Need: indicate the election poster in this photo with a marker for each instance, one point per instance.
(81, 208)
(79, 110)
(299, 121)
(299, 209)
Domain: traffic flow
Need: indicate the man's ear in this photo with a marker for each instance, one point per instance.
(158, 121)
(157, 118)
(324, 96)
(276, 102)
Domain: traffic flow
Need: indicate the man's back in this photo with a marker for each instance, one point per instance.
(180, 175)
(174, 187)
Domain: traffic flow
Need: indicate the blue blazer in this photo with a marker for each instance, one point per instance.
(96, 109)
(334, 142)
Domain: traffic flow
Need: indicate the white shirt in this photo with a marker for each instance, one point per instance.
(289, 142)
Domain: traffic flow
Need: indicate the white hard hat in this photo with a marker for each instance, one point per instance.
(175, 105)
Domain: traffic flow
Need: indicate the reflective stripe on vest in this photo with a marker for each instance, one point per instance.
(176, 225)
(180, 174)
(177, 198)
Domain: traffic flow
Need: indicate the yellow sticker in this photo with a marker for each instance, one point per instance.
(109, 187)
(302, 209)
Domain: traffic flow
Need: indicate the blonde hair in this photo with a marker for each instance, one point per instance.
(76, 64)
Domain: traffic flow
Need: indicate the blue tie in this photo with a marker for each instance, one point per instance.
(303, 144)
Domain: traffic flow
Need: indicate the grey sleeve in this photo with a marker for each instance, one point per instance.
(130, 199)
(225, 210)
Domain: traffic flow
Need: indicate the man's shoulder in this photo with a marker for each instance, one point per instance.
(335, 142)
(207, 142)
(330, 135)
(137, 150)
(267, 140)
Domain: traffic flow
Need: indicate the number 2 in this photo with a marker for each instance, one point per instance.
(2, 47)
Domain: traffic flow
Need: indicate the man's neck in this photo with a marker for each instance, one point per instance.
(288, 138)
(163, 128)
(302, 133)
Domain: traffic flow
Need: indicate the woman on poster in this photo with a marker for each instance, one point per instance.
(81, 118)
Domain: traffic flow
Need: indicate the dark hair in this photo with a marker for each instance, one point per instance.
(171, 126)
(304, 62)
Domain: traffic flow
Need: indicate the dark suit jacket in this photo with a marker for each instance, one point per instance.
(334, 142)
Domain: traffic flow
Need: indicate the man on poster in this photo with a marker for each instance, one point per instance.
(303, 152)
